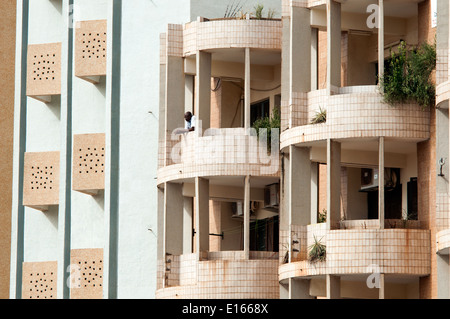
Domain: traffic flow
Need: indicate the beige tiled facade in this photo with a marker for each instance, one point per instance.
(359, 125)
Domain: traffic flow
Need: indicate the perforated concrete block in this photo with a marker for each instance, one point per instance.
(91, 49)
(89, 162)
(41, 180)
(87, 273)
(39, 280)
(44, 71)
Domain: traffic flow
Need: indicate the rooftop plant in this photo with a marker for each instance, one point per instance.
(407, 76)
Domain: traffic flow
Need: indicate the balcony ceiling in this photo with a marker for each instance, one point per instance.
(393, 8)
(259, 57)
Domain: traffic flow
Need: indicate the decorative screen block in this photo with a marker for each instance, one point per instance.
(44, 70)
(39, 280)
(90, 49)
(87, 272)
(89, 162)
(41, 180)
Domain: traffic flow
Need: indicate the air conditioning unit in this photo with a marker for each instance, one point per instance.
(370, 179)
(272, 196)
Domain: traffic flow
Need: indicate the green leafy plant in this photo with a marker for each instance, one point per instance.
(271, 14)
(322, 216)
(317, 251)
(407, 76)
(268, 123)
(320, 116)
(258, 11)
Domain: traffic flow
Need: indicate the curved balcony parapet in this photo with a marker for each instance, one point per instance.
(227, 152)
(231, 33)
(443, 242)
(219, 275)
(442, 92)
(362, 251)
(355, 112)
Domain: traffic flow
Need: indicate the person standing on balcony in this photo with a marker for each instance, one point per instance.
(189, 121)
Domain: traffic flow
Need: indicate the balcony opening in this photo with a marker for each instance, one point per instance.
(259, 110)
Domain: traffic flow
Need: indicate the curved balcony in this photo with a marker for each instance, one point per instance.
(360, 250)
(355, 112)
(443, 242)
(442, 92)
(231, 33)
(219, 152)
(219, 275)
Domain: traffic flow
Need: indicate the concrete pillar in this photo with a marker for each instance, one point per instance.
(174, 97)
(333, 183)
(314, 192)
(381, 292)
(380, 38)
(173, 219)
(160, 232)
(247, 90)
(203, 89)
(314, 58)
(284, 290)
(299, 188)
(333, 45)
(187, 225)
(202, 214)
(247, 217)
(381, 181)
(299, 289)
(443, 274)
(333, 287)
(300, 50)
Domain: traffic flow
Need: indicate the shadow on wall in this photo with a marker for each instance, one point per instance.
(57, 4)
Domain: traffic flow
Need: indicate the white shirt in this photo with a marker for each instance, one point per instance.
(188, 125)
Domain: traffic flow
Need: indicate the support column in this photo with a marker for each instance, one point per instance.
(381, 289)
(174, 98)
(247, 90)
(203, 89)
(333, 45)
(299, 205)
(314, 58)
(247, 217)
(202, 215)
(187, 225)
(380, 38)
(299, 289)
(314, 192)
(381, 181)
(333, 183)
(300, 51)
(333, 287)
(173, 219)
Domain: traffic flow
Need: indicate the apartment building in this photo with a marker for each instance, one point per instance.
(359, 201)
(113, 198)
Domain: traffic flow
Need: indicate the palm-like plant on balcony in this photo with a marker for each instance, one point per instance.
(317, 251)
(407, 76)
